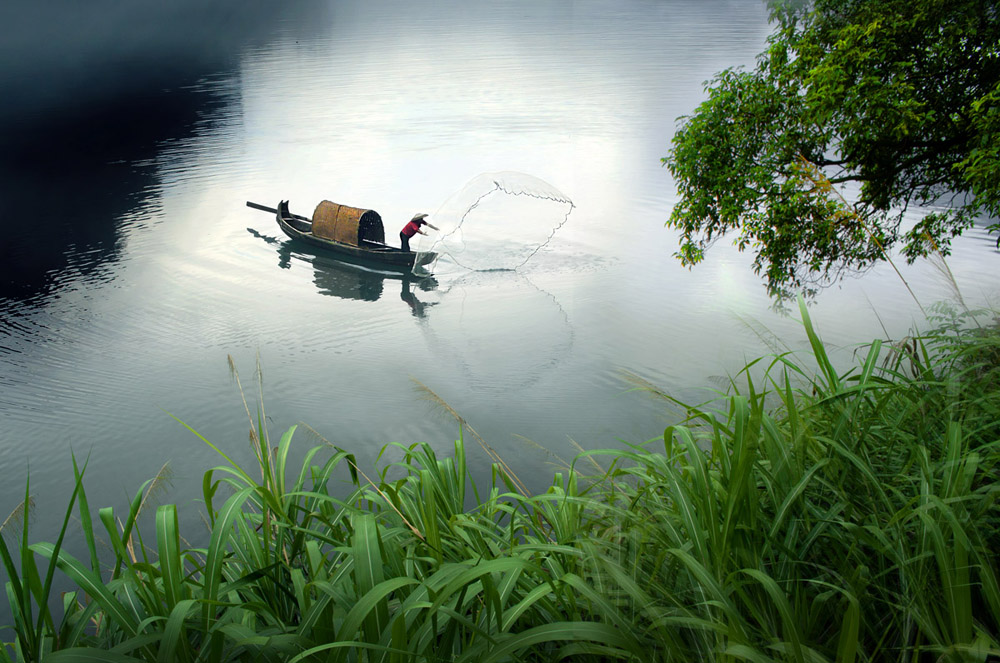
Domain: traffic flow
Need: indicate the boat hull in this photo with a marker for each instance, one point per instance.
(382, 257)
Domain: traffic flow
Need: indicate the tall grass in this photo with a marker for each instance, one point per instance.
(807, 514)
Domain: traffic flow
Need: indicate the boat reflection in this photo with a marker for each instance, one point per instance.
(348, 281)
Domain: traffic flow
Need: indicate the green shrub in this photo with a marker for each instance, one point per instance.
(804, 515)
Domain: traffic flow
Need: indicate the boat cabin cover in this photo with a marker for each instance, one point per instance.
(348, 225)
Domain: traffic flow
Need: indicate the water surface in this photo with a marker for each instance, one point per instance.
(141, 270)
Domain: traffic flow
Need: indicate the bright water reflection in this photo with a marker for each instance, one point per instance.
(395, 106)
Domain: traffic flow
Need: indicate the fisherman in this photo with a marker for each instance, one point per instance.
(411, 229)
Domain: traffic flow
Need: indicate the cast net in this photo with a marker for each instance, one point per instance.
(498, 221)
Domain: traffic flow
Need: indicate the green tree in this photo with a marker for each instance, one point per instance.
(897, 100)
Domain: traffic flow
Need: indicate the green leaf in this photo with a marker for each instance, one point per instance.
(88, 655)
(168, 545)
(91, 583)
(174, 646)
(222, 530)
(559, 632)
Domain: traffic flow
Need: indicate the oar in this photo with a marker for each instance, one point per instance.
(265, 208)
(262, 208)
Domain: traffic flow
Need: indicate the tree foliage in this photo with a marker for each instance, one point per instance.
(898, 101)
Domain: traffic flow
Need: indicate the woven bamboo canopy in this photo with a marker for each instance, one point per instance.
(348, 225)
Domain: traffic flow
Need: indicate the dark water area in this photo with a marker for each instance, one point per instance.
(99, 89)
(131, 269)
(93, 90)
(67, 185)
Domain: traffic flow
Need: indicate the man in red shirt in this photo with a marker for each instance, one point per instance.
(411, 229)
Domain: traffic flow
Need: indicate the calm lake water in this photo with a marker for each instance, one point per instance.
(133, 269)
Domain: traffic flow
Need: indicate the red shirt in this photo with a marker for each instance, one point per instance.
(411, 228)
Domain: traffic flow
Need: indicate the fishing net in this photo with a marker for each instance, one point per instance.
(487, 349)
(497, 222)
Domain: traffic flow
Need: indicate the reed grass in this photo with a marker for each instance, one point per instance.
(806, 514)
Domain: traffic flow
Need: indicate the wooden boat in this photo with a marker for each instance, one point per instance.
(354, 234)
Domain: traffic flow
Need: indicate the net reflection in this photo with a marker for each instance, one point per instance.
(488, 350)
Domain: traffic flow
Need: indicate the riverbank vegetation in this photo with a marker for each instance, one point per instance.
(895, 99)
(806, 514)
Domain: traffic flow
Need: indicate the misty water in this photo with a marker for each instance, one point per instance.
(133, 270)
